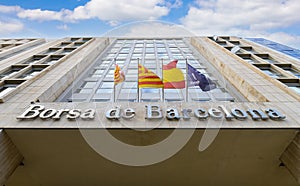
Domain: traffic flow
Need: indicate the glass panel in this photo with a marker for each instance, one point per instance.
(85, 91)
(5, 90)
(150, 90)
(125, 50)
(107, 85)
(128, 91)
(271, 73)
(129, 85)
(30, 74)
(104, 90)
(293, 72)
(296, 89)
(89, 84)
(13, 70)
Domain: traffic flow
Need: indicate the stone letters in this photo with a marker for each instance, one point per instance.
(153, 112)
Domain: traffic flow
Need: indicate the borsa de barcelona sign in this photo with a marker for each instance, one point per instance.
(153, 112)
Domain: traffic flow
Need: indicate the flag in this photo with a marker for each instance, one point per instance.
(119, 76)
(173, 77)
(148, 79)
(196, 78)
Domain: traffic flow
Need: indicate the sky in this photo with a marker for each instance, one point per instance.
(276, 20)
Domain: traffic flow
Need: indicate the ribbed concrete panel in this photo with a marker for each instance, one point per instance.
(291, 157)
(10, 157)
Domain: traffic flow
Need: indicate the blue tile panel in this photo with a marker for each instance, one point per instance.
(278, 47)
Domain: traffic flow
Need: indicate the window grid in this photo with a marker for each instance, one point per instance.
(13, 77)
(283, 72)
(151, 53)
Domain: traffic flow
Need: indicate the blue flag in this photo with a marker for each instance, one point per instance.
(196, 78)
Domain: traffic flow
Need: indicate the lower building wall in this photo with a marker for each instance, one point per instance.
(235, 157)
(10, 157)
(291, 157)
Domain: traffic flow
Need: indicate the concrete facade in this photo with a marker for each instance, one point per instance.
(256, 152)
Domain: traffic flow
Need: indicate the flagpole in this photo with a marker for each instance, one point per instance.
(186, 82)
(115, 82)
(138, 89)
(162, 75)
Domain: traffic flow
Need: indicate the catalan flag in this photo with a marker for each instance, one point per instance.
(173, 77)
(118, 75)
(148, 79)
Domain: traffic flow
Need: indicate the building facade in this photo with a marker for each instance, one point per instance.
(54, 93)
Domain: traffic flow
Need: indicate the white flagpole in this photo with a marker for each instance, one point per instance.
(162, 77)
(138, 89)
(186, 82)
(114, 81)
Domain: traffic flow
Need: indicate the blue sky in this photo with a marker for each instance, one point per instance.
(276, 20)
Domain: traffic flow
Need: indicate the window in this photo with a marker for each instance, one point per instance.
(53, 59)
(136, 55)
(78, 44)
(67, 51)
(235, 42)
(63, 44)
(293, 84)
(267, 69)
(248, 58)
(222, 43)
(149, 56)
(106, 85)
(270, 73)
(150, 50)
(34, 59)
(267, 58)
(6, 89)
(122, 56)
(151, 53)
(125, 50)
(11, 71)
(86, 39)
(104, 90)
(129, 85)
(150, 90)
(139, 45)
(89, 84)
(161, 50)
(138, 50)
(290, 69)
(51, 51)
(74, 39)
(85, 91)
(7, 86)
(295, 88)
(128, 91)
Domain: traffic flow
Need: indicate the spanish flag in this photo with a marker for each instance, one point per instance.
(148, 79)
(118, 75)
(173, 77)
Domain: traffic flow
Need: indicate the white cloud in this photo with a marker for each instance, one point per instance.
(149, 29)
(9, 26)
(42, 15)
(9, 9)
(120, 10)
(255, 14)
(110, 11)
(63, 27)
(175, 4)
(243, 18)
